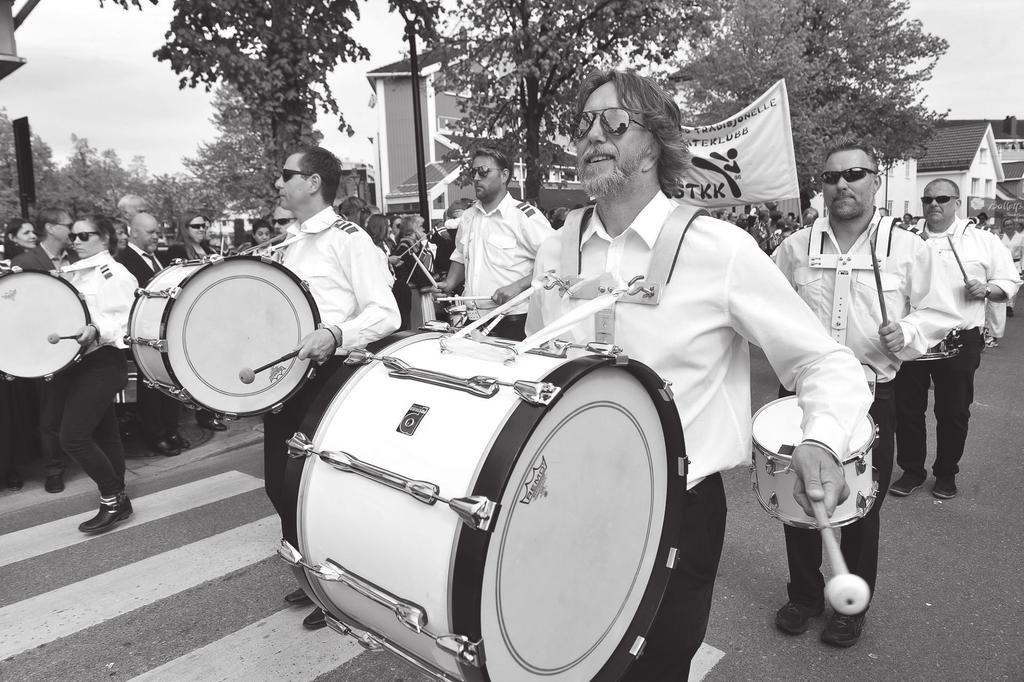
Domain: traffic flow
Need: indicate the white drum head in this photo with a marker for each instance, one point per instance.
(778, 424)
(34, 305)
(578, 534)
(234, 314)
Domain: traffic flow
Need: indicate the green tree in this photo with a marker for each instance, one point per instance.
(521, 63)
(92, 181)
(851, 68)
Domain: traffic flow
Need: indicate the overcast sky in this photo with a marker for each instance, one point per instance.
(91, 72)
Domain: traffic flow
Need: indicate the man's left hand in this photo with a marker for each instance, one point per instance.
(976, 289)
(506, 293)
(892, 336)
(818, 477)
(318, 346)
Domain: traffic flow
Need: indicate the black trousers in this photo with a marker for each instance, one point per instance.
(278, 428)
(86, 426)
(954, 392)
(511, 327)
(859, 540)
(158, 414)
(19, 423)
(682, 621)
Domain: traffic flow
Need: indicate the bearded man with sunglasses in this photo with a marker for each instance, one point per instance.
(497, 243)
(836, 266)
(975, 267)
(720, 293)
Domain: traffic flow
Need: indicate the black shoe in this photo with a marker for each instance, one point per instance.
(213, 424)
(945, 487)
(179, 441)
(298, 598)
(1009, 311)
(165, 448)
(108, 516)
(794, 619)
(14, 480)
(315, 620)
(906, 484)
(54, 483)
(842, 630)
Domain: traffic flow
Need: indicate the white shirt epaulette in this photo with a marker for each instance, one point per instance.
(345, 225)
(526, 208)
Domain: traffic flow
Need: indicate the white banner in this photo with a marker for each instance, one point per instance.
(745, 159)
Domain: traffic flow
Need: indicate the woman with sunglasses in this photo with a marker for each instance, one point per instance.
(87, 425)
(192, 235)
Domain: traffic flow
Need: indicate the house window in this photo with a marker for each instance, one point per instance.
(988, 188)
(906, 206)
(983, 155)
(975, 186)
(906, 170)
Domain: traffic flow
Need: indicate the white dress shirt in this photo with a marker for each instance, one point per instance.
(724, 293)
(109, 292)
(912, 285)
(498, 247)
(985, 259)
(346, 277)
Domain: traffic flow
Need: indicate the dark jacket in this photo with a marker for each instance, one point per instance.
(36, 259)
(138, 266)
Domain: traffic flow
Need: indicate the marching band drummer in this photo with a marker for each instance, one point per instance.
(830, 265)
(351, 287)
(721, 293)
(87, 424)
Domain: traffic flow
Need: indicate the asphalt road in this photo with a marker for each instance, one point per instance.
(190, 589)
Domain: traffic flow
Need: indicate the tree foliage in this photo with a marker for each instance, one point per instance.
(851, 67)
(521, 62)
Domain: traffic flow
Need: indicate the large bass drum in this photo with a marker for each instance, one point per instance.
(487, 521)
(197, 324)
(33, 306)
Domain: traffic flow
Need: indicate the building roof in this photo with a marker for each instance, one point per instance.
(1013, 170)
(403, 68)
(436, 173)
(953, 146)
(1009, 128)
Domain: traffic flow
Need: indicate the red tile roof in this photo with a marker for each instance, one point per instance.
(1013, 170)
(953, 146)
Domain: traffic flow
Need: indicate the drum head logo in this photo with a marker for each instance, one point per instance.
(277, 373)
(536, 484)
(10, 294)
(411, 421)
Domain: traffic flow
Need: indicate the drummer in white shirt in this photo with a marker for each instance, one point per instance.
(988, 274)
(351, 288)
(87, 424)
(723, 294)
(830, 265)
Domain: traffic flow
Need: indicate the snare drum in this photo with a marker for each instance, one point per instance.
(776, 432)
(446, 512)
(34, 305)
(949, 347)
(198, 323)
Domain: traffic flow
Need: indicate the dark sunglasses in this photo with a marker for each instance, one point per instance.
(479, 172)
(83, 236)
(198, 226)
(941, 199)
(282, 221)
(287, 174)
(849, 174)
(615, 121)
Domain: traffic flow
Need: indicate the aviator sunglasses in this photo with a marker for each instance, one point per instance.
(941, 199)
(615, 121)
(83, 236)
(848, 174)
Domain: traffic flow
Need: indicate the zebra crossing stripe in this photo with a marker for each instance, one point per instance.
(703, 661)
(275, 648)
(47, 537)
(49, 616)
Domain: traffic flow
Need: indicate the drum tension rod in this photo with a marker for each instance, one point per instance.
(476, 511)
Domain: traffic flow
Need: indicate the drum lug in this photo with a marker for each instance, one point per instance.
(666, 392)
(172, 293)
(536, 392)
(48, 377)
(638, 646)
(476, 512)
(862, 504)
(437, 326)
(159, 344)
(276, 408)
(773, 501)
(291, 555)
(673, 557)
(299, 445)
(359, 357)
(304, 284)
(861, 465)
(465, 651)
(8, 377)
(408, 614)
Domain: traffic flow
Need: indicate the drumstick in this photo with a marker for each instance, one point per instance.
(55, 338)
(846, 592)
(878, 279)
(430, 278)
(247, 376)
(958, 261)
(449, 299)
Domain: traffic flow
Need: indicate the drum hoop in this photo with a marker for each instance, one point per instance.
(203, 264)
(467, 575)
(81, 302)
(855, 452)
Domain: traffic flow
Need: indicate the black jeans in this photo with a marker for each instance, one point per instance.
(86, 427)
(278, 428)
(682, 621)
(859, 540)
(954, 393)
(511, 327)
(158, 414)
